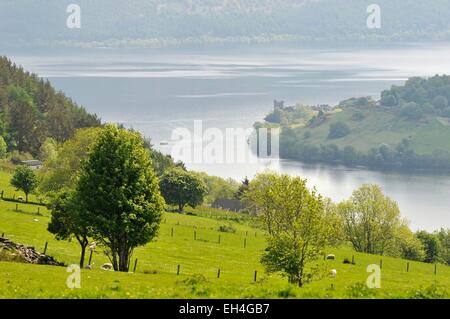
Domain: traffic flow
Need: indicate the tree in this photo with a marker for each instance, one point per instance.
(3, 147)
(119, 194)
(412, 111)
(440, 102)
(23, 118)
(68, 221)
(48, 150)
(243, 188)
(443, 236)
(181, 188)
(296, 222)
(25, 180)
(61, 171)
(431, 246)
(218, 188)
(371, 220)
(338, 130)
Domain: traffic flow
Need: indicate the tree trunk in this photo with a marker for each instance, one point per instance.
(26, 197)
(180, 208)
(114, 260)
(123, 259)
(83, 254)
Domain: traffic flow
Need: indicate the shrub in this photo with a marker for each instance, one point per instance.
(431, 292)
(288, 292)
(360, 290)
(226, 229)
(338, 130)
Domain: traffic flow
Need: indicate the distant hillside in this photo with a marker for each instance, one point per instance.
(159, 23)
(408, 128)
(32, 111)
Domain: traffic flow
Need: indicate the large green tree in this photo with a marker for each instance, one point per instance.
(61, 171)
(119, 193)
(181, 188)
(24, 123)
(25, 180)
(68, 221)
(296, 220)
(371, 220)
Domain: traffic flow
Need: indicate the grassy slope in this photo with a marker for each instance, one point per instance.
(203, 256)
(380, 127)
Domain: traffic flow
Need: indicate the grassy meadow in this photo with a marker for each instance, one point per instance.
(195, 246)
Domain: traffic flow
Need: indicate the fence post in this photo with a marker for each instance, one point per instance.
(435, 269)
(218, 273)
(171, 233)
(353, 259)
(245, 242)
(135, 265)
(381, 263)
(90, 257)
(39, 210)
(256, 275)
(219, 239)
(178, 270)
(407, 266)
(3, 235)
(45, 248)
(195, 235)
(17, 207)
(2, 194)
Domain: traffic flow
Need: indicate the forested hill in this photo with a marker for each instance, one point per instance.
(409, 128)
(32, 111)
(173, 22)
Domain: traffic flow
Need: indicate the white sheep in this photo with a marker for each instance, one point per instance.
(107, 267)
(333, 273)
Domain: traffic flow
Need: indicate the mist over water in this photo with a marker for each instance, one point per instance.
(158, 91)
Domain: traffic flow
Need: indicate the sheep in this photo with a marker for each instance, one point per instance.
(331, 257)
(107, 267)
(333, 273)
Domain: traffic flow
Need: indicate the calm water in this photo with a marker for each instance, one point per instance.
(155, 92)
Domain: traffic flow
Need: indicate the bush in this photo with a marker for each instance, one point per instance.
(412, 111)
(358, 116)
(226, 229)
(440, 102)
(338, 130)
(360, 290)
(431, 292)
(288, 292)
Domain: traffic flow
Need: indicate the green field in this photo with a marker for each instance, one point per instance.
(199, 260)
